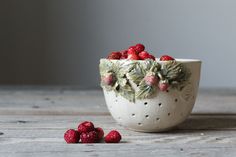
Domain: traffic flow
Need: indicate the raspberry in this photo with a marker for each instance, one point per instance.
(114, 55)
(71, 136)
(89, 137)
(100, 133)
(163, 86)
(85, 127)
(108, 79)
(113, 137)
(151, 80)
(131, 51)
(133, 57)
(132, 47)
(166, 58)
(124, 54)
(144, 55)
(152, 57)
(139, 48)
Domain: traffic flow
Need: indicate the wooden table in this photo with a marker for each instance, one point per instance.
(34, 119)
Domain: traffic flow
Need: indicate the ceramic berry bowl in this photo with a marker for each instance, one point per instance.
(150, 95)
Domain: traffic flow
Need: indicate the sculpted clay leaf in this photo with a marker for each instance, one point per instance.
(127, 92)
(147, 64)
(122, 82)
(172, 70)
(145, 91)
(124, 72)
(136, 74)
(105, 66)
(175, 73)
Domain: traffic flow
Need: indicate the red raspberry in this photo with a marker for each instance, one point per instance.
(166, 58)
(133, 57)
(85, 127)
(114, 55)
(124, 54)
(131, 50)
(152, 57)
(89, 137)
(113, 137)
(132, 47)
(151, 80)
(71, 136)
(139, 48)
(144, 55)
(108, 79)
(100, 133)
(163, 86)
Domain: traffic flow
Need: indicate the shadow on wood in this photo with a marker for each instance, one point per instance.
(207, 122)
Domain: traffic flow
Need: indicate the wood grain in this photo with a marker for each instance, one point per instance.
(33, 121)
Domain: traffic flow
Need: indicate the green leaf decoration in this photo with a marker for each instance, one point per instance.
(145, 91)
(123, 67)
(171, 70)
(147, 64)
(106, 66)
(150, 66)
(136, 74)
(122, 81)
(116, 87)
(175, 73)
(108, 88)
(133, 72)
(127, 92)
(141, 69)
(119, 69)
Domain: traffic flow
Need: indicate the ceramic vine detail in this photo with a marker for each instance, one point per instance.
(147, 77)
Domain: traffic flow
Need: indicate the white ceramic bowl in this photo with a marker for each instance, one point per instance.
(161, 112)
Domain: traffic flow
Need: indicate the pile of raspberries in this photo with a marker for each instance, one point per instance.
(136, 52)
(87, 133)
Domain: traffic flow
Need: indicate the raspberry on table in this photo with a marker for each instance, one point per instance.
(100, 133)
(85, 127)
(113, 137)
(72, 136)
(89, 137)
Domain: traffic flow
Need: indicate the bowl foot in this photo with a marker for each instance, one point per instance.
(151, 131)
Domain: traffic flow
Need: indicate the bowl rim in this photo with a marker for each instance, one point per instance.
(181, 60)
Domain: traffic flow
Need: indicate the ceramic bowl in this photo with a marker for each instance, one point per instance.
(164, 110)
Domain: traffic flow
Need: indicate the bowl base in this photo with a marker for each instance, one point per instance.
(152, 131)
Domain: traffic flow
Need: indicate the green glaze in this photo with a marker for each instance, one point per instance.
(130, 74)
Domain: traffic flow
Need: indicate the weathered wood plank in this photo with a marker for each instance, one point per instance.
(194, 122)
(33, 121)
(197, 129)
(113, 150)
(50, 101)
